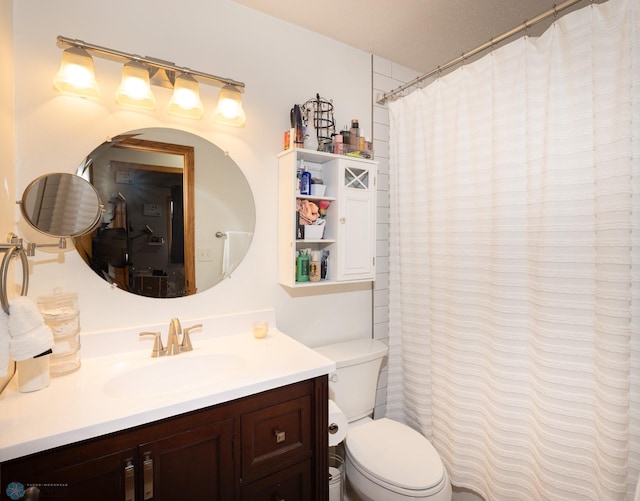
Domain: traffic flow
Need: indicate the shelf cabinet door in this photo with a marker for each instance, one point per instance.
(356, 228)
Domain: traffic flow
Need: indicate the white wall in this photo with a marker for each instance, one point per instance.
(281, 65)
(7, 159)
(7, 175)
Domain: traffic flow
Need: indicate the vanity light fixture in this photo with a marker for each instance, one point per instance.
(135, 88)
(229, 110)
(76, 75)
(137, 75)
(185, 101)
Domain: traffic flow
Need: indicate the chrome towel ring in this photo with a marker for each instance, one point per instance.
(14, 248)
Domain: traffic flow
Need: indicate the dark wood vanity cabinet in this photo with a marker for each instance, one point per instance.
(272, 445)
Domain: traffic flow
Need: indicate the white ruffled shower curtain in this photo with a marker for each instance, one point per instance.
(515, 263)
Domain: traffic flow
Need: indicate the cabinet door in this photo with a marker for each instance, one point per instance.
(73, 475)
(195, 464)
(356, 228)
(292, 484)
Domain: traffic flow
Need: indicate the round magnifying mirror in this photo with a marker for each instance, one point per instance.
(61, 205)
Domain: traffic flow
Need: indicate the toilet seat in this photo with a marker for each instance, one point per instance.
(396, 457)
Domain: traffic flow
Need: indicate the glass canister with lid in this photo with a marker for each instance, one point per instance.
(61, 313)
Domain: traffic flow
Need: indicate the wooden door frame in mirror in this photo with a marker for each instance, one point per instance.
(187, 153)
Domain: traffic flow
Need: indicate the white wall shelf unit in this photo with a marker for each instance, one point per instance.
(349, 235)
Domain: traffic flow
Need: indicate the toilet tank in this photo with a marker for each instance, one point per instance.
(353, 386)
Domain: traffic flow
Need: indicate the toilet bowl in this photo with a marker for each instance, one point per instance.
(385, 460)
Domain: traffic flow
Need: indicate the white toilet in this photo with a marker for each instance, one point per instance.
(385, 460)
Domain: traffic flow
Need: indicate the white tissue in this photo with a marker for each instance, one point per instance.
(29, 335)
(337, 424)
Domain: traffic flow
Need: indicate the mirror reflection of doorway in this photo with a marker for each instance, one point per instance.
(146, 242)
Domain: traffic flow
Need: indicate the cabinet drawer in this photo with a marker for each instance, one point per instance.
(275, 437)
(292, 484)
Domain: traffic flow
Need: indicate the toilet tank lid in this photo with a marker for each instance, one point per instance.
(353, 352)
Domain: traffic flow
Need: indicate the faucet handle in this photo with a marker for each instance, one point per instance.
(186, 339)
(158, 350)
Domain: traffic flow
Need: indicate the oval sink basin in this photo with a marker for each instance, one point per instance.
(170, 375)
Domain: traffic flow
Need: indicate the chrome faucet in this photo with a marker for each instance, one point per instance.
(174, 344)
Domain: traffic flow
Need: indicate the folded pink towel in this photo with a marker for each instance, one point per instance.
(29, 334)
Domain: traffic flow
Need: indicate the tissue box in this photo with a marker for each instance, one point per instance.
(313, 231)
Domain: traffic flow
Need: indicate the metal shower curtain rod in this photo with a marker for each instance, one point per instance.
(384, 98)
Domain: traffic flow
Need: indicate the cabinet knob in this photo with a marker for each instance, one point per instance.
(343, 220)
(281, 436)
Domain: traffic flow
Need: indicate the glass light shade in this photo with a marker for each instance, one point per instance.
(229, 110)
(185, 101)
(135, 89)
(76, 76)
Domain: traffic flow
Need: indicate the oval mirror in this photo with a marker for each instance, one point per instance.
(61, 205)
(179, 213)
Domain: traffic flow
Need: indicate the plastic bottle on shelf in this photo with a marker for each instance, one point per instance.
(298, 180)
(324, 264)
(305, 180)
(302, 274)
(346, 138)
(354, 134)
(338, 145)
(314, 267)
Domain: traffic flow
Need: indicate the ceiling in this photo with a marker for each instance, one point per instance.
(418, 34)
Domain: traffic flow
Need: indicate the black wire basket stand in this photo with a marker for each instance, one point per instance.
(319, 112)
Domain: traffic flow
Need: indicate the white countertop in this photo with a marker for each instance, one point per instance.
(108, 392)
